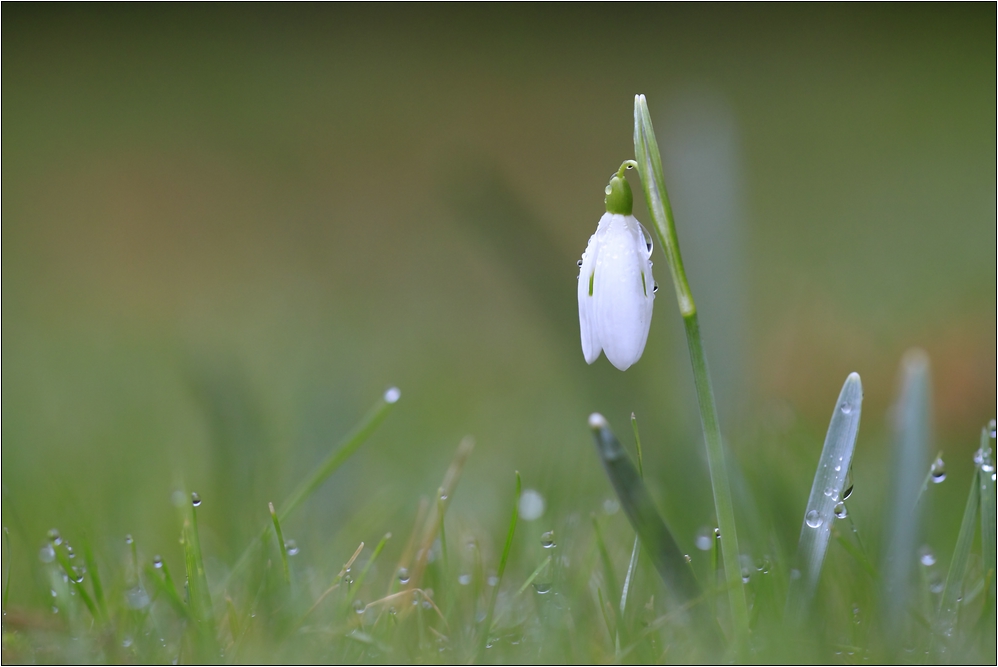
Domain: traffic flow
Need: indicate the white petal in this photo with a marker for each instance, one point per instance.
(623, 290)
(591, 346)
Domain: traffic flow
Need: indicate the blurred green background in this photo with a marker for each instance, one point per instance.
(227, 230)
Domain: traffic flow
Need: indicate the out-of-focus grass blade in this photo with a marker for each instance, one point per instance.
(164, 584)
(826, 493)
(88, 558)
(350, 444)
(986, 474)
(280, 543)
(199, 598)
(367, 566)
(911, 454)
(637, 503)
(487, 625)
(949, 606)
(77, 580)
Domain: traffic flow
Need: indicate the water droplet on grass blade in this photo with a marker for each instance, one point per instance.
(464, 579)
(937, 471)
(611, 506)
(840, 511)
(812, 519)
(547, 540)
(392, 395)
(846, 408)
(47, 553)
(137, 598)
(358, 606)
(195, 499)
(493, 580)
(157, 561)
(128, 539)
(926, 557)
(542, 589)
(403, 575)
(291, 547)
(54, 537)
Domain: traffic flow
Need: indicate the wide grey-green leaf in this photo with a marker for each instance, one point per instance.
(908, 464)
(826, 494)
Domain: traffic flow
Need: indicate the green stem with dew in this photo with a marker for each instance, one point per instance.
(649, 165)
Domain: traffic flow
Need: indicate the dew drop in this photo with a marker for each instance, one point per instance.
(937, 472)
(137, 598)
(128, 539)
(403, 575)
(926, 557)
(54, 537)
(687, 558)
(579, 263)
(46, 554)
(493, 580)
(531, 505)
(704, 539)
(717, 533)
(992, 429)
(195, 499)
(542, 589)
(547, 540)
(291, 547)
(830, 492)
(846, 408)
(70, 552)
(763, 565)
(838, 468)
(812, 519)
(649, 245)
(392, 395)
(358, 606)
(157, 562)
(611, 506)
(840, 511)
(464, 579)
(126, 642)
(655, 287)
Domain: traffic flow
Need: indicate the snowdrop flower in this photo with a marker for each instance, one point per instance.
(616, 287)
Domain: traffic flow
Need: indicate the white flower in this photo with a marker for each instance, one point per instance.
(616, 289)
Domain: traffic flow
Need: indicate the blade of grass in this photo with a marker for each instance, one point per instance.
(282, 547)
(986, 474)
(77, 581)
(533, 575)
(164, 585)
(487, 625)
(826, 491)
(949, 606)
(6, 574)
(367, 566)
(640, 509)
(911, 453)
(199, 597)
(95, 583)
(649, 163)
(345, 449)
(633, 563)
(433, 521)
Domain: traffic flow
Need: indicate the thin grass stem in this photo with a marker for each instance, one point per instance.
(487, 625)
(282, 547)
(649, 161)
(950, 603)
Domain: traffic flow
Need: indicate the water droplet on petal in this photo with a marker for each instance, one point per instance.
(655, 287)
(649, 244)
(580, 263)
(195, 499)
(813, 519)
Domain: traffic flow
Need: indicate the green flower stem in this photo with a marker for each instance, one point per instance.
(653, 183)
